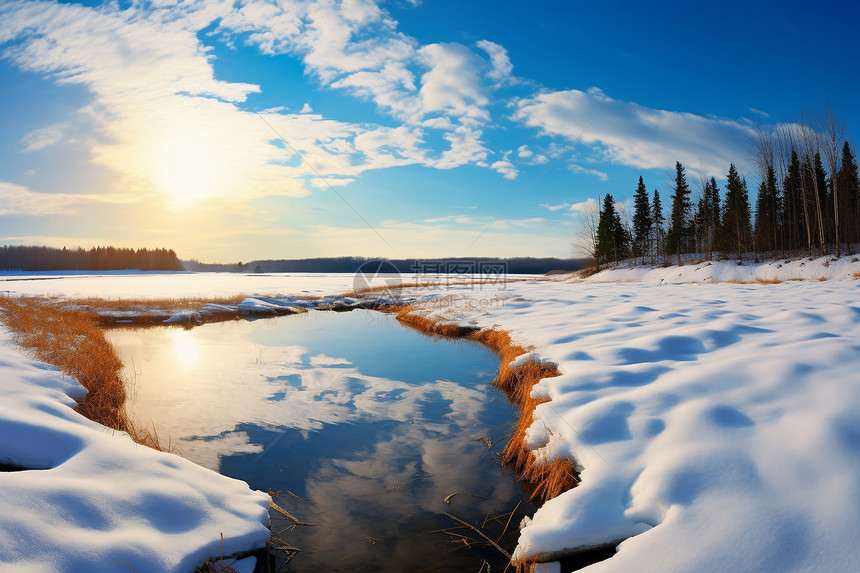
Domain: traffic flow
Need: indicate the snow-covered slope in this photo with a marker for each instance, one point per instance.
(816, 268)
(92, 500)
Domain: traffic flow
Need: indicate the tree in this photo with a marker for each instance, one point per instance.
(657, 217)
(767, 212)
(736, 216)
(613, 241)
(833, 133)
(643, 224)
(586, 242)
(709, 205)
(678, 235)
(849, 192)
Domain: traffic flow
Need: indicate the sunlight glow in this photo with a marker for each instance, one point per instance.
(185, 348)
(191, 166)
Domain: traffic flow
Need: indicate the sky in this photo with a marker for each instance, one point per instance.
(256, 129)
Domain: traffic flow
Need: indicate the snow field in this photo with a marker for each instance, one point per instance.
(717, 426)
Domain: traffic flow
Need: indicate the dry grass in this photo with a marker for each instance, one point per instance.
(71, 340)
(187, 303)
(546, 481)
(759, 282)
(153, 312)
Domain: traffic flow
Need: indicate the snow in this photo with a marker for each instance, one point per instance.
(716, 425)
(92, 499)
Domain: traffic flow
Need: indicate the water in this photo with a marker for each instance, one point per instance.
(365, 426)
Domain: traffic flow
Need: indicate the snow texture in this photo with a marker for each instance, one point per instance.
(86, 498)
(716, 426)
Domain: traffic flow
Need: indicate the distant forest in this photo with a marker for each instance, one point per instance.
(519, 265)
(807, 203)
(22, 258)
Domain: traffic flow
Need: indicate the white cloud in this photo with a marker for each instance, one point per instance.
(555, 207)
(603, 176)
(634, 135)
(526, 155)
(19, 200)
(167, 126)
(527, 222)
(585, 208)
(321, 183)
(759, 112)
(452, 85)
(499, 60)
(307, 108)
(505, 167)
(45, 137)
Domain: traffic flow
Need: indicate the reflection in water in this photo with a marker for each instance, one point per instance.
(368, 425)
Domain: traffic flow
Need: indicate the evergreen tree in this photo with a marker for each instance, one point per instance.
(849, 197)
(794, 222)
(736, 217)
(643, 223)
(678, 236)
(767, 213)
(613, 241)
(659, 220)
(825, 202)
(712, 192)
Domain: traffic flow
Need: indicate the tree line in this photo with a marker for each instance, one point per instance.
(515, 265)
(26, 258)
(804, 204)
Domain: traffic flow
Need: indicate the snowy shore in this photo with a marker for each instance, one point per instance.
(85, 498)
(716, 425)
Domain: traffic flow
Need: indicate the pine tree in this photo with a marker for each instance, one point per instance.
(659, 220)
(712, 193)
(849, 197)
(794, 222)
(678, 235)
(736, 217)
(643, 224)
(613, 241)
(767, 213)
(825, 202)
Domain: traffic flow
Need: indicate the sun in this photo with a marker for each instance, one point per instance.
(191, 167)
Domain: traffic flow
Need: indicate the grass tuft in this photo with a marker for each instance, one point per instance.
(70, 339)
(546, 481)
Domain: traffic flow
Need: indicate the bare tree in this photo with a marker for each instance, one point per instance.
(586, 243)
(811, 140)
(764, 144)
(834, 132)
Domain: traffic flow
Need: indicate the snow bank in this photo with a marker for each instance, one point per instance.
(717, 426)
(723, 271)
(92, 500)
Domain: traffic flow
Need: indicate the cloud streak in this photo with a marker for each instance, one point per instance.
(633, 135)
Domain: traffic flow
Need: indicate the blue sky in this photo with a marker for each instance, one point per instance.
(238, 130)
